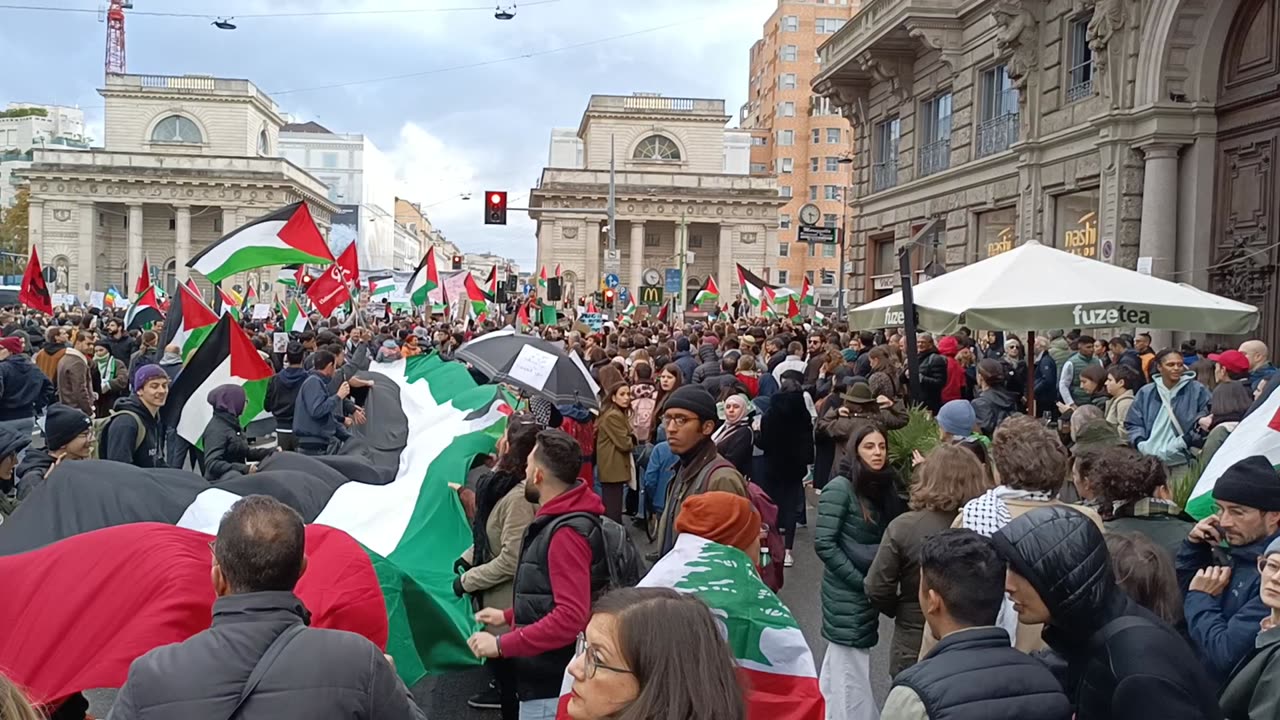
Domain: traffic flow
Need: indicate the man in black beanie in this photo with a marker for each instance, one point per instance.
(1223, 605)
(689, 416)
(68, 435)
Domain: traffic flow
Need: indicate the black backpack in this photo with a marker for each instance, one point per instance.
(626, 566)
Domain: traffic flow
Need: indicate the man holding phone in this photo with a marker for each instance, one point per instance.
(1223, 606)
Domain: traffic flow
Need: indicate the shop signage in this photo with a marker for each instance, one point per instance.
(1082, 240)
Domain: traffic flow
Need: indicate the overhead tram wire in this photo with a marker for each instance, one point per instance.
(486, 63)
(250, 16)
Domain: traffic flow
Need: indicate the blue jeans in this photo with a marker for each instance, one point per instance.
(539, 709)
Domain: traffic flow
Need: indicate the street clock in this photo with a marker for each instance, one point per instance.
(810, 215)
(652, 277)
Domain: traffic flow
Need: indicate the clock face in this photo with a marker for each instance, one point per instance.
(810, 214)
(651, 277)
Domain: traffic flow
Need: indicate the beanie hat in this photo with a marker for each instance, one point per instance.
(957, 418)
(720, 517)
(1273, 548)
(147, 373)
(62, 423)
(949, 346)
(693, 398)
(1251, 482)
(12, 344)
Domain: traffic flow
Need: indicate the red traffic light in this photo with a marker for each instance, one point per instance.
(608, 294)
(495, 211)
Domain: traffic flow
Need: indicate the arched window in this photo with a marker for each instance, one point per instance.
(657, 147)
(62, 274)
(264, 143)
(177, 129)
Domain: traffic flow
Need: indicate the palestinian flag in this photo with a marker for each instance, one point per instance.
(191, 283)
(819, 318)
(425, 279)
(381, 286)
(542, 277)
(189, 322)
(228, 304)
(479, 301)
(752, 285)
(662, 314)
(289, 276)
(793, 310)
(295, 321)
(144, 279)
(250, 298)
(522, 318)
(806, 293)
(144, 311)
(225, 357)
(1257, 434)
(284, 237)
(709, 292)
(491, 284)
(774, 660)
(34, 292)
(766, 304)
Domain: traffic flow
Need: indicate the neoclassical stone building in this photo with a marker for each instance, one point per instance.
(186, 159)
(683, 182)
(1117, 129)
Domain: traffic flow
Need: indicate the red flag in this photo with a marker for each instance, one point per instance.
(591, 306)
(35, 293)
(329, 290)
(662, 314)
(792, 309)
(350, 266)
(522, 317)
(144, 280)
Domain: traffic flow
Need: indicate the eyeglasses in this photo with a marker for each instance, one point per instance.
(1268, 567)
(590, 663)
(678, 421)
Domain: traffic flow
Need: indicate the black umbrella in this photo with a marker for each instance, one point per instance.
(533, 365)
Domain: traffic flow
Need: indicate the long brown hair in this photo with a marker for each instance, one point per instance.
(1144, 570)
(13, 702)
(950, 477)
(697, 682)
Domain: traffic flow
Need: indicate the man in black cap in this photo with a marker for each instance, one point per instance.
(68, 435)
(689, 415)
(1223, 604)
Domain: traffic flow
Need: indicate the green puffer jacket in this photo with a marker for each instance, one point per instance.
(848, 617)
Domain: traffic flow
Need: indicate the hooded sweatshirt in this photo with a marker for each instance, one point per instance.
(1166, 440)
(282, 392)
(569, 567)
(119, 437)
(24, 389)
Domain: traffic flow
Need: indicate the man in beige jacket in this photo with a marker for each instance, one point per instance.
(74, 377)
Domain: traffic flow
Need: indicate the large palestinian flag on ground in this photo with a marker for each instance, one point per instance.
(189, 322)
(1257, 434)
(392, 496)
(777, 666)
(285, 237)
(226, 356)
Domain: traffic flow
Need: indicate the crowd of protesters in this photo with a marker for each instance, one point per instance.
(1034, 564)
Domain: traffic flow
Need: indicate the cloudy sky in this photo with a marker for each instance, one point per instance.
(402, 79)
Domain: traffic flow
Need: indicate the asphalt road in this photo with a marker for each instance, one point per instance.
(446, 695)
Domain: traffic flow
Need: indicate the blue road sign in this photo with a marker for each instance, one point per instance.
(672, 284)
(528, 288)
(611, 280)
(623, 294)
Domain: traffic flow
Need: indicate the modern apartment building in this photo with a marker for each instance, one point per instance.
(800, 137)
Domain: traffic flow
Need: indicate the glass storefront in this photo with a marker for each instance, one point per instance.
(997, 232)
(1076, 225)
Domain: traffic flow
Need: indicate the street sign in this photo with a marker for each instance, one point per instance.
(650, 295)
(672, 282)
(623, 295)
(824, 235)
(612, 262)
(611, 280)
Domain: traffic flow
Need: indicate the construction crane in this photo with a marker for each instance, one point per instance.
(115, 64)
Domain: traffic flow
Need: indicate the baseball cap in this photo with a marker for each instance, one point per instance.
(1233, 361)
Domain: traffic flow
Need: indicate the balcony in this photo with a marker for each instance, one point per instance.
(884, 175)
(935, 157)
(997, 134)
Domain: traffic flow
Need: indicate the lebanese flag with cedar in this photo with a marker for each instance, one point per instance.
(775, 665)
(35, 292)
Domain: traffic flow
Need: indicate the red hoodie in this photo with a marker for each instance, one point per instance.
(569, 567)
(954, 389)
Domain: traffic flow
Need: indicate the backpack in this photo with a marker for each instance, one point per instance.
(139, 437)
(585, 434)
(643, 410)
(771, 574)
(625, 564)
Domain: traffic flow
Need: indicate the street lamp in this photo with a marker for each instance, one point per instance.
(846, 198)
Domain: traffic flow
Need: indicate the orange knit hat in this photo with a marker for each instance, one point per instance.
(720, 517)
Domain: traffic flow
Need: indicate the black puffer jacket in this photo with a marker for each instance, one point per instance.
(992, 407)
(1122, 661)
(226, 452)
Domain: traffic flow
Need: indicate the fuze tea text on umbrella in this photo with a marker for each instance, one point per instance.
(1109, 317)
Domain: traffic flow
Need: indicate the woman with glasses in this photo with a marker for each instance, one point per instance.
(653, 654)
(1253, 691)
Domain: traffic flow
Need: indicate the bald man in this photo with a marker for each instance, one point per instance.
(1260, 367)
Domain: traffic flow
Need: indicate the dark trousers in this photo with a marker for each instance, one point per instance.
(787, 493)
(286, 441)
(313, 450)
(612, 494)
(504, 674)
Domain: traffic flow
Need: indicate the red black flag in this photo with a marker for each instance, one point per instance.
(35, 292)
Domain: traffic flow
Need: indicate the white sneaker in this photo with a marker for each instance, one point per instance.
(788, 561)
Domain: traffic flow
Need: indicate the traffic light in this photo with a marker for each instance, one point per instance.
(457, 262)
(608, 298)
(495, 207)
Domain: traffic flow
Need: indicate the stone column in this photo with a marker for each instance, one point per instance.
(1158, 239)
(724, 266)
(546, 240)
(592, 239)
(230, 220)
(134, 246)
(182, 244)
(35, 228)
(770, 256)
(637, 257)
(82, 271)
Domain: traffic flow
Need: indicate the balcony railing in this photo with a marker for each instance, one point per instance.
(997, 134)
(1080, 90)
(884, 175)
(935, 157)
